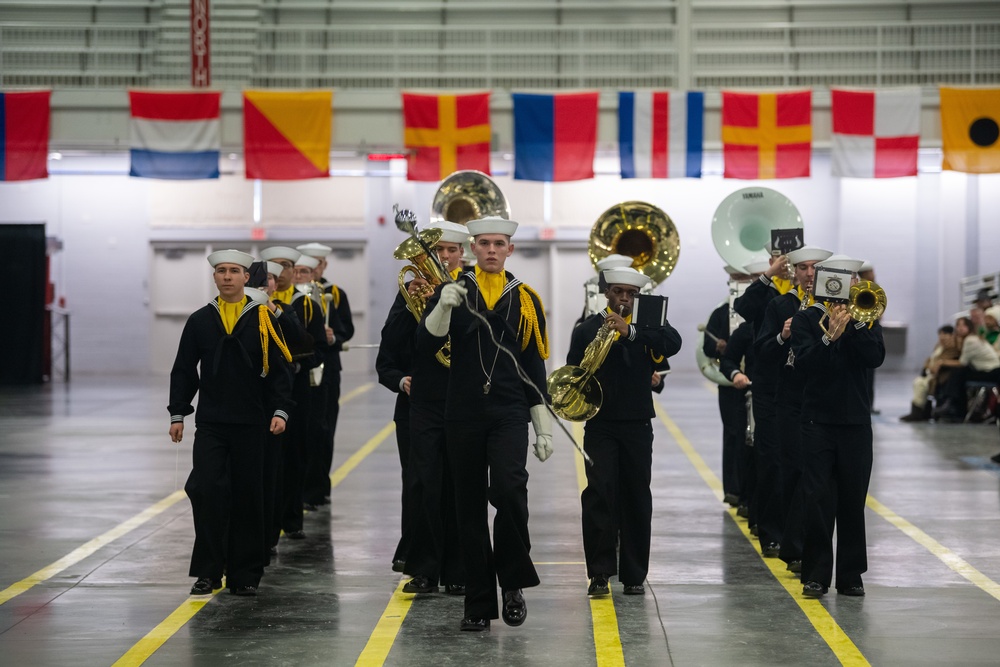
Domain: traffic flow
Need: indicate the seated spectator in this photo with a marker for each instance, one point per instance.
(991, 325)
(934, 376)
(978, 361)
(978, 308)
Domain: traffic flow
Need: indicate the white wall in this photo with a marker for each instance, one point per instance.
(923, 234)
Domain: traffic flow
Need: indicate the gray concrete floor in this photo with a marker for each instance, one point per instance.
(78, 460)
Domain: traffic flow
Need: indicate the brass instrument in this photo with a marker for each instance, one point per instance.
(641, 231)
(576, 394)
(743, 222)
(866, 303)
(468, 195)
(423, 266)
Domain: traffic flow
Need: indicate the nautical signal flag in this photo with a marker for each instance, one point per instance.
(286, 135)
(661, 133)
(970, 129)
(174, 135)
(555, 136)
(446, 133)
(24, 135)
(876, 133)
(766, 135)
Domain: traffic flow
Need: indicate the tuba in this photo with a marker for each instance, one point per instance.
(468, 195)
(641, 231)
(422, 266)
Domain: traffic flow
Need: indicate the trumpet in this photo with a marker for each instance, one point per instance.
(426, 268)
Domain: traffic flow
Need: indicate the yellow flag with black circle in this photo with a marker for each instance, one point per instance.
(970, 130)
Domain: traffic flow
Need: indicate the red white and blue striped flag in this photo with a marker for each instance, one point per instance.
(661, 133)
(175, 135)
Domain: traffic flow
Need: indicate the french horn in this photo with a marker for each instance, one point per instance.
(641, 231)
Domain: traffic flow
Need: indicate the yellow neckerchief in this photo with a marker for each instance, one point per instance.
(454, 273)
(284, 296)
(783, 286)
(809, 298)
(490, 286)
(528, 327)
(230, 312)
(267, 333)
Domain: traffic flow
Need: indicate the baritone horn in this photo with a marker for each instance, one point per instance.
(422, 266)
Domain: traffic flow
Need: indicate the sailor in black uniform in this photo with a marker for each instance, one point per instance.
(231, 355)
(487, 410)
(617, 503)
(836, 438)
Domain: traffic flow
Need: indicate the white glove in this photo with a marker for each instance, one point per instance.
(542, 423)
(439, 319)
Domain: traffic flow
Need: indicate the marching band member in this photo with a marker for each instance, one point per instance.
(617, 503)
(836, 357)
(776, 441)
(751, 304)
(337, 316)
(430, 546)
(486, 410)
(594, 299)
(230, 355)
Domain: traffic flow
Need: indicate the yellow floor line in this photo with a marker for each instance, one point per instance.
(155, 638)
(90, 547)
(607, 640)
(946, 555)
(384, 635)
(843, 648)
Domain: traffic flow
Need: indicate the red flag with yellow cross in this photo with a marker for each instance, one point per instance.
(445, 133)
(766, 135)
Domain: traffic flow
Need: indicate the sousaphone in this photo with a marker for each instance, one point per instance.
(743, 222)
(641, 231)
(468, 195)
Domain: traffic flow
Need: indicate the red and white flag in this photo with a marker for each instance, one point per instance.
(875, 132)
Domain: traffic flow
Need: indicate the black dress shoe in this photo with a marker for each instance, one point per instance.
(295, 534)
(243, 590)
(475, 624)
(795, 566)
(995, 458)
(770, 550)
(419, 584)
(514, 609)
(813, 589)
(454, 589)
(599, 586)
(205, 586)
(743, 511)
(854, 591)
(634, 589)
(731, 499)
(309, 507)
(399, 566)
(753, 530)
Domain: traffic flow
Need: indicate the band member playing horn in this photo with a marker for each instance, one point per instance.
(594, 299)
(429, 542)
(486, 410)
(617, 503)
(836, 356)
(776, 441)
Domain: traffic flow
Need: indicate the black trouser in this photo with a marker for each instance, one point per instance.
(318, 484)
(617, 503)
(790, 445)
(406, 495)
(434, 549)
(288, 514)
(768, 503)
(226, 491)
(272, 489)
(733, 411)
(316, 469)
(488, 465)
(837, 469)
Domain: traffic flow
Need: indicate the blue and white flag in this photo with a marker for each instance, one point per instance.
(661, 133)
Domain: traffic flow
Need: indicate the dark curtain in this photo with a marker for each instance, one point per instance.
(23, 331)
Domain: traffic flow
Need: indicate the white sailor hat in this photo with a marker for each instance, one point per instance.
(866, 266)
(491, 226)
(230, 257)
(274, 268)
(807, 254)
(625, 275)
(280, 252)
(306, 260)
(256, 295)
(452, 232)
(841, 262)
(757, 266)
(613, 262)
(317, 250)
